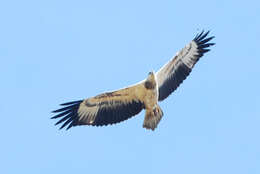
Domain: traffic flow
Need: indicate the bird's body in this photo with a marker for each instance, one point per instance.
(119, 105)
(153, 112)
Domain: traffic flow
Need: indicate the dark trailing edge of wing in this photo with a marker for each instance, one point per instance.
(107, 113)
(180, 70)
(115, 114)
(175, 79)
(68, 114)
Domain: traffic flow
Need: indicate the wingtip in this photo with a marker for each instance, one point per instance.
(68, 128)
(200, 36)
(70, 103)
(55, 111)
(67, 114)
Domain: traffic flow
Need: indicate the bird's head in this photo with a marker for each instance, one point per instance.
(150, 82)
(151, 75)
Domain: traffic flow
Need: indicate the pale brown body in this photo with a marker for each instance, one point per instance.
(146, 91)
(153, 112)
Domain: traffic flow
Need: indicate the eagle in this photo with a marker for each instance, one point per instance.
(119, 105)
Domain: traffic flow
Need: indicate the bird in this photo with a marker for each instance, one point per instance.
(116, 106)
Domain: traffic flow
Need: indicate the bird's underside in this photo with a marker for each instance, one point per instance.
(114, 107)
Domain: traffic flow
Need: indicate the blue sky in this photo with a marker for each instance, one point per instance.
(57, 51)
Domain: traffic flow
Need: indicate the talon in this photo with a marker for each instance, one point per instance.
(155, 111)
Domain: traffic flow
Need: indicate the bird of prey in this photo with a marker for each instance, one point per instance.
(116, 106)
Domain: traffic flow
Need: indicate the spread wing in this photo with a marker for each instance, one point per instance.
(103, 109)
(172, 74)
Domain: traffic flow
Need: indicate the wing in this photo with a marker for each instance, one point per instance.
(103, 109)
(172, 74)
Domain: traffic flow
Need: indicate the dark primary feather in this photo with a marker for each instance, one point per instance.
(68, 114)
(69, 103)
(180, 70)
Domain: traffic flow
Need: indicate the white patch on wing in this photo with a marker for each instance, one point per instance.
(88, 113)
(188, 54)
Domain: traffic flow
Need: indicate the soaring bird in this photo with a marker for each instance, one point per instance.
(116, 106)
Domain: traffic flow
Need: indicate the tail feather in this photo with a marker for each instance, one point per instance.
(152, 117)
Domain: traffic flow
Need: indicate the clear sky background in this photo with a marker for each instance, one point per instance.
(54, 51)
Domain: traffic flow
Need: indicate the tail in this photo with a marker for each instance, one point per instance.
(152, 117)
